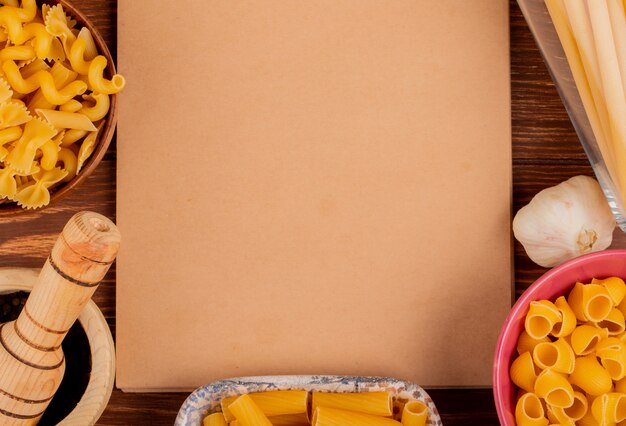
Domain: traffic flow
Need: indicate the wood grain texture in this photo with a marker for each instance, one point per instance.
(546, 151)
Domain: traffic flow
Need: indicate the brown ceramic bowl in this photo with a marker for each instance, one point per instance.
(104, 138)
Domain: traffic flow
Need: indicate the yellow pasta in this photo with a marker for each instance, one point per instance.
(66, 120)
(247, 412)
(71, 136)
(568, 319)
(50, 155)
(100, 107)
(529, 411)
(36, 194)
(585, 338)
(71, 106)
(526, 343)
(273, 403)
(77, 56)
(34, 67)
(612, 354)
(284, 420)
(36, 133)
(327, 416)
(13, 114)
(39, 52)
(375, 403)
(68, 159)
(414, 413)
(554, 388)
(615, 286)
(17, 53)
(43, 80)
(62, 76)
(541, 318)
(522, 372)
(559, 356)
(620, 386)
(609, 408)
(590, 302)
(613, 323)
(5, 90)
(97, 80)
(91, 51)
(216, 419)
(571, 414)
(6, 136)
(590, 376)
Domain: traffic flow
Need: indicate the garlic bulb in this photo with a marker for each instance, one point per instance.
(565, 221)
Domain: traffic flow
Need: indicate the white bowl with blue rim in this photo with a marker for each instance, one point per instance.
(206, 399)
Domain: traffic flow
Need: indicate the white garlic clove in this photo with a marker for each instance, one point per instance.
(565, 221)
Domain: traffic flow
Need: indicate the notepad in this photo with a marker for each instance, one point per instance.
(312, 187)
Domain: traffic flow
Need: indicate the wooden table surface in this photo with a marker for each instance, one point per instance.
(546, 151)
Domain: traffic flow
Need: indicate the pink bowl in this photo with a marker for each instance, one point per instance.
(554, 283)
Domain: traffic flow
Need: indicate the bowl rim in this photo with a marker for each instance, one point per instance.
(191, 413)
(100, 386)
(521, 304)
(11, 208)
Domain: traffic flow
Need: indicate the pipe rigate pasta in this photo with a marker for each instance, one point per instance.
(615, 286)
(568, 319)
(612, 354)
(523, 373)
(590, 376)
(559, 356)
(554, 388)
(571, 414)
(541, 318)
(585, 338)
(609, 409)
(529, 411)
(613, 323)
(39, 87)
(525, 343)
(590, 302)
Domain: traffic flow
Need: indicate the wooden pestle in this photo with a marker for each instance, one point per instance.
(31, 359)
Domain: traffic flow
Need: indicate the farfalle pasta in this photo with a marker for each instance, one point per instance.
(54, 96)
(576, 373)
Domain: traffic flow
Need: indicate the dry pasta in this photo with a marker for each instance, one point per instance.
(326, 416)
(577, 374)
(522, 372)
(529, 411)
(272, 403)
(414, 413)
(215, 419)
(247, 412)
(54, 97)
(559, 356)
(292, 408)
(375, 403)
(541, 318)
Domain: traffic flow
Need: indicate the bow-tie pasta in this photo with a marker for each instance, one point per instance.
(53, 100)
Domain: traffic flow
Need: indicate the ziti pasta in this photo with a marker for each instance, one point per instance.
(302, 408)
(571, 364)
(53, 100)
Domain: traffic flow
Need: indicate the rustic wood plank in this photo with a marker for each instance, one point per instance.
(546, 151)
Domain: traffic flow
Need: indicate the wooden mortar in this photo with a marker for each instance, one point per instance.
(31, 359)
